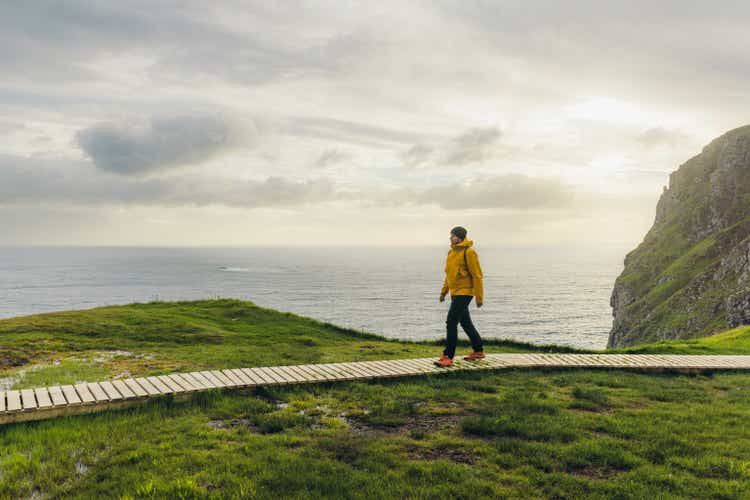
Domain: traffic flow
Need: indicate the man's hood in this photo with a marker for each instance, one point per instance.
(461, 244)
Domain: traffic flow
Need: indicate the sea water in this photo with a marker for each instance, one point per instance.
(535, 294)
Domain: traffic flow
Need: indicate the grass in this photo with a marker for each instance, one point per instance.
(525, 433)
(161, 337)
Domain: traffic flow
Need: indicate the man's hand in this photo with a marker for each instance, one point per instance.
(479, 304)
(442, 297)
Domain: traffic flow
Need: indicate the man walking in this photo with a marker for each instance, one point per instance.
(463, 278)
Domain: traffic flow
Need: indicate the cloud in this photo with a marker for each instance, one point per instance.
(511, 191)
(659, 136)
(475, 145)
(25, 181)
(159, 144)
(417, 155)
(331, 157)
(351, 132)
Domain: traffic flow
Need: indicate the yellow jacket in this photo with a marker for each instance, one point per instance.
(459, 279)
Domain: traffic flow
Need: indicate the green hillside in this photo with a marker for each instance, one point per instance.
(531, 433)
(689, 276)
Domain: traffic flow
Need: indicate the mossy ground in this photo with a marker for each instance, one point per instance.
(526, 433)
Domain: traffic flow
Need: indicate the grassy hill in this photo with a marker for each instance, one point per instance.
(555, 433)
(688, 277)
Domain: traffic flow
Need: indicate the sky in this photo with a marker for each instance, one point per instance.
(174, 123)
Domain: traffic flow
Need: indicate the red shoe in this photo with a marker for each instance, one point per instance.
(474, 356)
(444, 361)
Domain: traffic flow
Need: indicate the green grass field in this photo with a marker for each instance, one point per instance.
(522, 433)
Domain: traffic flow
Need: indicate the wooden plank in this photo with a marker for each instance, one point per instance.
(98, 392)
(368, 365)
(2, 401)
(418, 366)
(194, 381)
(427, 365)
(13, 399)
(287, 374)
(203, 380)
(246, 381)
(135, 388)
(343, 370)
(304, 375)
(358, 371)
(283, 374)
(110, 390)
(236, 382)
(292, 374)
(84, 394)
(269, 375)
(56, 395)
(329, 372)
(314, 375)
(123, 389)
(42, 398)
(28, 399)
(364, 372)
(179, 380)
(214, 380)
(171, 384)
(151, 389)
(223, 378)
(160, 385)
(257, 374)
(335, 370)
(388, 369)
(392, 367)
(409, 366)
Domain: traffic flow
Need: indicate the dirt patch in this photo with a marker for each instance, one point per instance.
(595, 472)
(414, 425)
(457, 455)
(11, 358)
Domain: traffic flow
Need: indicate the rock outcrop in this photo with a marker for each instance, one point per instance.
(690, 277)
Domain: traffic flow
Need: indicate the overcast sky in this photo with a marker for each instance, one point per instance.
(296, 123)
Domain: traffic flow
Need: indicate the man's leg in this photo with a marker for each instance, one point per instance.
(471, 331)
(451, 326)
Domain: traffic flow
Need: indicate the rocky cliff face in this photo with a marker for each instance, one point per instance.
(690, 277)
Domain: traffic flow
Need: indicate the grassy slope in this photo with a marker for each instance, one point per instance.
(519, 433)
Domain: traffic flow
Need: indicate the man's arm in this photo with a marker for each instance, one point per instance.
(444, 290)
(472, 259)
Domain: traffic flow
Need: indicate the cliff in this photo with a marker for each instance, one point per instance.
(690, 277)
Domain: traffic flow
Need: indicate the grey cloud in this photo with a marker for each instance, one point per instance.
(331, 157)
(352, 132)
(251, 61)
(475, 145)
(417, 155)
(161, 143)
(185, 39)
(38, 182)
(592, 41)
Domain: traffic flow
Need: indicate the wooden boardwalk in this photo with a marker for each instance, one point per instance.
(86, 397)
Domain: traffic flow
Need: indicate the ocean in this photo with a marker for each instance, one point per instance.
(534, 294)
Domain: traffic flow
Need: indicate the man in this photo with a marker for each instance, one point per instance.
(463, 278)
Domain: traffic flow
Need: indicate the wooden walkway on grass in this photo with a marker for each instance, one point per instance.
(86, 397)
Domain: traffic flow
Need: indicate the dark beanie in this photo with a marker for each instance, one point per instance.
(459, 231)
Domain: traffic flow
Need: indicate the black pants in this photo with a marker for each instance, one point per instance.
(459, 313)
